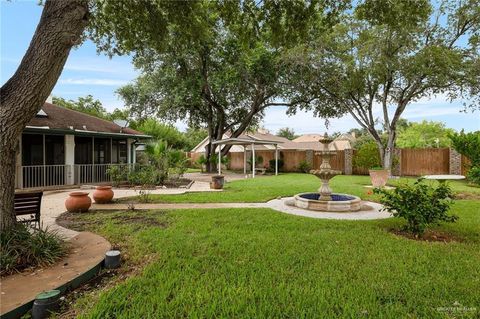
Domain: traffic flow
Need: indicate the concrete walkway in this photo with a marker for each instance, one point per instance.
(53, 205)
(19, 290)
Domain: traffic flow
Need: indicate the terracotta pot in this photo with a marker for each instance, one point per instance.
(78, 202)
(103, 194)
(379, 177)
(217, 182)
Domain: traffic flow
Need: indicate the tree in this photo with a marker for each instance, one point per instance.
(287, 132)
(22, 96)
(194, 136)
(467, 144)
(165, 132)
(90, 105)
(390, 54)
(221, 68)
(424, 134)
(86, 104)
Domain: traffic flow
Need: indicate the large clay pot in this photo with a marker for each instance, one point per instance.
(379, 177)
(78, 202)
(217, 182)
(103, 194)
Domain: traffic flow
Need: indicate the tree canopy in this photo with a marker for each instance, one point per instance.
(386, 55)
(288, 133)
(424, 134)
(227, 71)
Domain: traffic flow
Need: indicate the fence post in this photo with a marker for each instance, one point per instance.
(348, 161)
(455, 162)
(397, 162)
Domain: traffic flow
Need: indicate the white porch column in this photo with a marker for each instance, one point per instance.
(219, 160)
(69, 159)
(276, 159)
(245, 160)
(253, 160)
(129, 150)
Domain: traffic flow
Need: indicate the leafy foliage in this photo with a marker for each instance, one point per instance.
(419, 204)
(271, 165)
(304, 167)
(90, 105)
(467, 144)
(22, 247)
(287, 132)
(424, 134)
(473, 175)
(383, 57)
(367, 156)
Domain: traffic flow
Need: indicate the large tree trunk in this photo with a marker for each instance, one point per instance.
(387, 160)
(22, 96)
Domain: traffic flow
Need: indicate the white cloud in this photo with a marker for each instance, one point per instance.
(106, 82)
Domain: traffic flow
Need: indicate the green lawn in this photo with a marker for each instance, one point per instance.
(257, 263)
(266, 188)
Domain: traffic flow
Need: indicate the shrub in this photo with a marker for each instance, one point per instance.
(271, 165)
(467, 144)
(473, 175)
(258, 161)
(202, 161)
(178, 163)
(21, 247)
(146, 177)
(118, 174)
(419, 204)
(304, 166)
(367, 156)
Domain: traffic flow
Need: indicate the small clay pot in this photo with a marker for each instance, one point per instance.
(78, 202)
(103, 194)
(217, 182)
(379, 177)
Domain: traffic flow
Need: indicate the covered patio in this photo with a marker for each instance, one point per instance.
(245, 142)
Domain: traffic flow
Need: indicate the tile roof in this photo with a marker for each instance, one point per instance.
(61, 118)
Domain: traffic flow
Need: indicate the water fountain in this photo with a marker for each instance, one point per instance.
(325, 200)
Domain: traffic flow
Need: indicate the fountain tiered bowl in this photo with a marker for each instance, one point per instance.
(325, 200)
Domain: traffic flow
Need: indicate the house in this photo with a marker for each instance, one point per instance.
(292, 152)
(60, 146)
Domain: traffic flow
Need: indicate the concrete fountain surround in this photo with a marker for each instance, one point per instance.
(348, 203)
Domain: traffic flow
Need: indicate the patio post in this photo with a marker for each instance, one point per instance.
(276, 159)
(219, 159)
(244, 160)
(253, 160)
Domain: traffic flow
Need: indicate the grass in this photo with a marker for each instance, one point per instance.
(266, 188)
(255, 263)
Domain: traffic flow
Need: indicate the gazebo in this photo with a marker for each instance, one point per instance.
(245, 142)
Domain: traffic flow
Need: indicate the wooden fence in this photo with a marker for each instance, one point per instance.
(412, 162)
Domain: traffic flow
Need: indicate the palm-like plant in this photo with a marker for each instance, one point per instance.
(158, 154)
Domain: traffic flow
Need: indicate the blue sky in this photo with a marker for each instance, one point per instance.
(86, 72)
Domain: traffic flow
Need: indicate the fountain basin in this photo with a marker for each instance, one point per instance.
(339, 202)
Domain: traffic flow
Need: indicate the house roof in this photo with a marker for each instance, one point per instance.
(244, 141)
(314, 137)
(62, 119)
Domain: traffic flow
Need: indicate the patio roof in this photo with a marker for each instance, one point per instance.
(244, 141)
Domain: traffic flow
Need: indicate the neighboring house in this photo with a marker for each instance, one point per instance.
(260, 135)
(66, 147)
(304, 142)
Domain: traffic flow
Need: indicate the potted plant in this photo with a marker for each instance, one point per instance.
(367, 157)
(378, 176)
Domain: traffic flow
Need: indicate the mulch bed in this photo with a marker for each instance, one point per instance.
(428, 236)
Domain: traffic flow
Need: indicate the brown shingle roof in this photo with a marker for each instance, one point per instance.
(64, 119)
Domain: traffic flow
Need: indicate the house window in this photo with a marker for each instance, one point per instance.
(32, 149)
(119, 151)
(83, 150)
(54, 150)
(102, 150)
